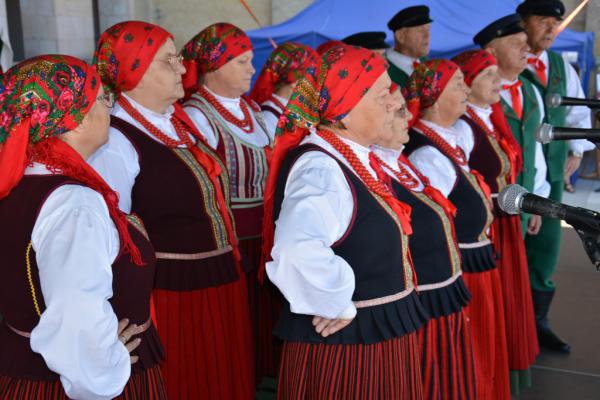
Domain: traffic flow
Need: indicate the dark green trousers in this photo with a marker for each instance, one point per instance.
(543, 249)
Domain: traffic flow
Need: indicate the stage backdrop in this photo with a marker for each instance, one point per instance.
(455, 23)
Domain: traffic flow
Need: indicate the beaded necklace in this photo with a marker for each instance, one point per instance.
(403, 176)
(401, 210)
(473, 115)
(455, 153)
(246, 124)
(184, 138)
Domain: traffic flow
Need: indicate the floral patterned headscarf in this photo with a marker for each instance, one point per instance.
(210, 49)
(326, 94)
(426, 84)
(125, 51)
(41, 99)
(286, 64)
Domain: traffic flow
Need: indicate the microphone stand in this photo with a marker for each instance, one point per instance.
(591, 244)
(589, 233)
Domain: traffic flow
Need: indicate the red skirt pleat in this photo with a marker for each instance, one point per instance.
(447, 358)
(146, 385)
(208, 342)
(265, 306)
(486, 315)
(386, 370)
(521, 336)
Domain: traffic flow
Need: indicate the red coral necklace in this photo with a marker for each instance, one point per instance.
(246, 124)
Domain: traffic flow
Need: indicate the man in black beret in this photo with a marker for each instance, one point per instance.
(411, 27)
(369, 40)
(551, 74)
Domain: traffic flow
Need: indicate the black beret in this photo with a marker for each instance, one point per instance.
(368, 40)
(410, 16)
(549, 8)
(504, 26)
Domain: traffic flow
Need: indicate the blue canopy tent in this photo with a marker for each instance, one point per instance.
(455, 24)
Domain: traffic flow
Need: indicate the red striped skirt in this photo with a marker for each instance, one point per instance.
(208, 342)
(146, 385)
(447, 358)
(486, 314)
(265, 306)
(521, 335)
(386, 370)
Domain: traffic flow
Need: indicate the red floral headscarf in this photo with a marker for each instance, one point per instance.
(286, 64)
(210, 49)
(326, 94)
(125, 51)
(426, 84)
(41, 99)
(472, 63)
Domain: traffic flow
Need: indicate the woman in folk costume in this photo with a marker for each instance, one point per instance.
(278, 78)
(339, 240)
(219, 69)
(445, 341)
(71, 256)
(437, 97)
(497, 156)
(272, 90)
(164, 170)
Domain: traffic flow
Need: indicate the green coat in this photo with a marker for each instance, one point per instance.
(555, 151)
(543, 249)
(524, 132)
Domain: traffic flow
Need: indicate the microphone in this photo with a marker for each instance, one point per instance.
(547, 133)
(554, 100)
(515, 199)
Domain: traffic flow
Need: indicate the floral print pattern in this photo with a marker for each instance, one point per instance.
(51, 93)
(125, 51)
(214, 46)
(427, 83)
(472, 62)
(286, 64)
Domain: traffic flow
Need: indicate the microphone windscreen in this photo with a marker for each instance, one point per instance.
(545, 133)
(553, 100)
(509, 199)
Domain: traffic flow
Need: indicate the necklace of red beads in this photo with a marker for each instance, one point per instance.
(455, 153)
(404, 177)
(473, 115)
(246, 124)
(182, 134)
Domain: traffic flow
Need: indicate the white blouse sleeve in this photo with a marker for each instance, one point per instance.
(203, 125)
(76, 243)
(315, 213)
(436, 167)
(541, 187)
(117, 162)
